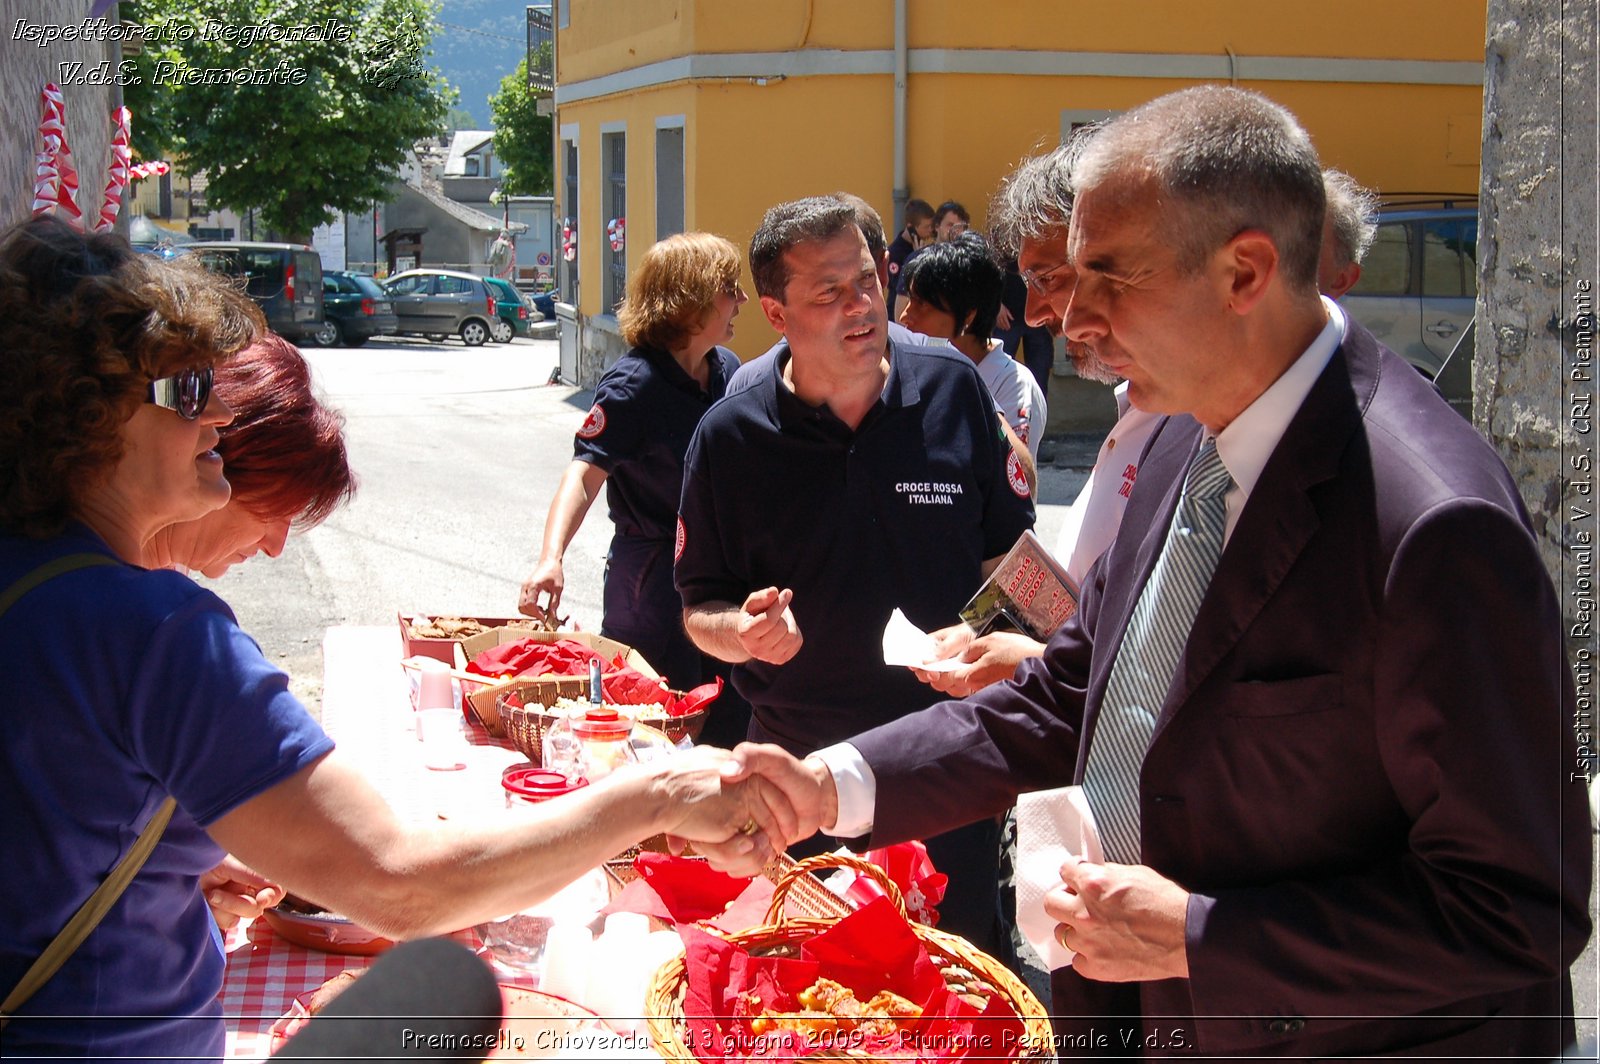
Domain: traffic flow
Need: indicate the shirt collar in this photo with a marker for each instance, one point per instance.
(1120, 394)
(668, 367)
(900, 389)
(1249, 440)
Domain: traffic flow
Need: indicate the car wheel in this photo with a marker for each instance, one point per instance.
(474, 333)
(503, 333)
(328, 334)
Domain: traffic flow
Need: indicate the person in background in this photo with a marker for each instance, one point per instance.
(916, 231)
(678, 312)
(284, 455)
(954, 293)
(143, 698)
(1346, 233)
(950, 220)
(855, 477)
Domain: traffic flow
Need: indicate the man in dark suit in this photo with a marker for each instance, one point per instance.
(1347, 829)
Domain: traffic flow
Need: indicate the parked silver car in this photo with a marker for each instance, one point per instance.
(1419, 282)
(440, 303)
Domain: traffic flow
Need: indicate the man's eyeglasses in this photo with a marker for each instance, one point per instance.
(1040, 283)
(185, 393)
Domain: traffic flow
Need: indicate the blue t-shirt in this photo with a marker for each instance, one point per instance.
(125, 686)
(902, 512)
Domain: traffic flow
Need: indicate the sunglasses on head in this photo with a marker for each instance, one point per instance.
(185, 393)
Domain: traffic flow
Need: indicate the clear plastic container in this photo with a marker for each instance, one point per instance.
(563, 752)
(530, 785)
(603, 734)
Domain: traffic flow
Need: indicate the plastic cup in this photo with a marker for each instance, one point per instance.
(568, 956)
(435, 690)
(439, 729)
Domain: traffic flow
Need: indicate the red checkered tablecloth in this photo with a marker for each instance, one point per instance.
(265, 974)
(366, 709)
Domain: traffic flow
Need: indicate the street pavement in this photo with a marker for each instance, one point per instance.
(458, 451)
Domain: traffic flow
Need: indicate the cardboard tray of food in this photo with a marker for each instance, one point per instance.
(436, 635)
(481, 698)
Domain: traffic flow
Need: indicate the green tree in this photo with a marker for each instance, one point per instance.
(521, 136)
(459, 118)
(293, 108)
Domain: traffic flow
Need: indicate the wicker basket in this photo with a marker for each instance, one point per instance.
(524, 712)
(784, 937)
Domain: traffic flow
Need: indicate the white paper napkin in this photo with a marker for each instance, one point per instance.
(906, 644)
(1051, 825)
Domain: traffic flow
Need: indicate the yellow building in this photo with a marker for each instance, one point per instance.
(700, 114)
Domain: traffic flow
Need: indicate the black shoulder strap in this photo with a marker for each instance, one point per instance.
(49, 571)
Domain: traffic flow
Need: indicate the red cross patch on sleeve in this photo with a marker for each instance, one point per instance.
(1015, 476)
(594, 424)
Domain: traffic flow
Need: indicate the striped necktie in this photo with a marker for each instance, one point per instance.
(1142, 673)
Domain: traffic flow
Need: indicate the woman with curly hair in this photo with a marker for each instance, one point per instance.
(283, 453)
(679, 308)
(138, 711)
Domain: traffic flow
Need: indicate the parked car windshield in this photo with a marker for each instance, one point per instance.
(367, 286)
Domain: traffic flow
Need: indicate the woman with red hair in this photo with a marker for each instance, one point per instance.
(283, 453)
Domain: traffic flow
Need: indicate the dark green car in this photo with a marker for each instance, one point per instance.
(356, 310)
(515, 317)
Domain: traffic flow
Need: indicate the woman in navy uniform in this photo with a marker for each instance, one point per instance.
(679, 308)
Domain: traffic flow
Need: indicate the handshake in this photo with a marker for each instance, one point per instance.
(741, 809)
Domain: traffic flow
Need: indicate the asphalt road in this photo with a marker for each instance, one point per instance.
(458, 451)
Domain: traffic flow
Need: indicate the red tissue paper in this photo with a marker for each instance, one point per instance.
(869, 951)
(533, 657)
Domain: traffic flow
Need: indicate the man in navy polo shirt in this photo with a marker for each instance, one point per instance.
(851, 479)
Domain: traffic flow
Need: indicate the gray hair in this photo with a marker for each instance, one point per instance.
(1228, 160)
(815, 218)
(1035, 198)
(1352, 214)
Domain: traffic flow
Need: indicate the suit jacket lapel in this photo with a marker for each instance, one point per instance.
(1279, 517)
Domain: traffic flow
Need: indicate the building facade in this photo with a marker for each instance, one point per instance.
(700, 114)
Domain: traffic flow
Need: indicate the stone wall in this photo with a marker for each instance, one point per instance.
(1534, 373)
(24, 69)
(599, 347)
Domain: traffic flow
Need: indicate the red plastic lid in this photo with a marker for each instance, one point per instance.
(533, 784)
(602, 722)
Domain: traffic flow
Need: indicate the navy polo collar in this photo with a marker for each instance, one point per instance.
(674, 374)
(782, 406)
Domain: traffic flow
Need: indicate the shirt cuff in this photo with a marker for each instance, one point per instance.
(857, 790)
